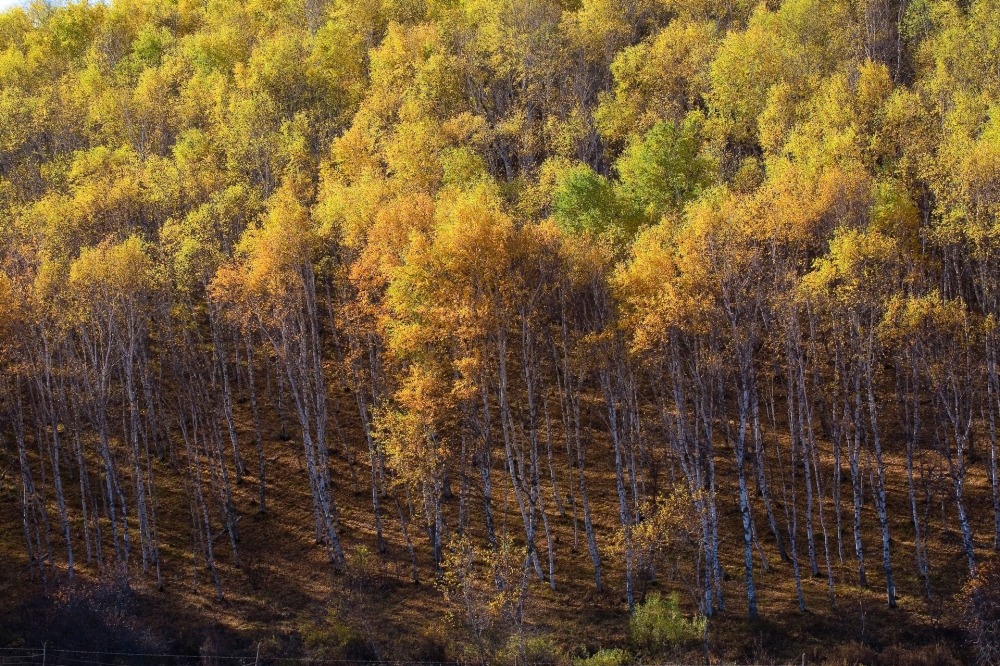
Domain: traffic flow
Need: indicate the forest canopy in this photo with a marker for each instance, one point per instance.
(507, 279)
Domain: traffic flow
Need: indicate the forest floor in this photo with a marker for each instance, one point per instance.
(286, 596)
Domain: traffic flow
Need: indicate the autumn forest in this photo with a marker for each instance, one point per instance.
(589, 332)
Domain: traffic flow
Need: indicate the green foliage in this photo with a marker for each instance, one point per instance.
(584, 201)
(659, 624)
(666, 168)
(531, 650)
(606, 657)
(399, 201)
(327, 639)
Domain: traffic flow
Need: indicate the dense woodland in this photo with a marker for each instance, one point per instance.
(534, 289)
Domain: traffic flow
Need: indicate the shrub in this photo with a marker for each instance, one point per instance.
(981, 606)
(329, 639)
(431, 645)
(535, 650)
(659, 623)
(615, 657)
(104, 615)
(484, 595)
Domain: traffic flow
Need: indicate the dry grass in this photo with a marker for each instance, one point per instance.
(289, 598)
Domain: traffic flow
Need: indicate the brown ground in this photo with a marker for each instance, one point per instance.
(288, 597)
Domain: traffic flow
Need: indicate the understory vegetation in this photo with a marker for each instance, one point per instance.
(509, 331)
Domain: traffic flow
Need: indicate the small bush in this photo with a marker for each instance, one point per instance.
(981, 609)
(536, 650)
(615, 657)
(104, 615)
(659, 624)
(327, 640)
(431, 645)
